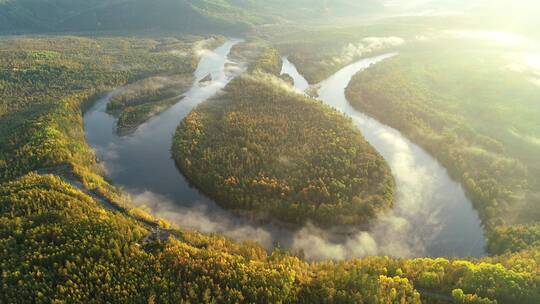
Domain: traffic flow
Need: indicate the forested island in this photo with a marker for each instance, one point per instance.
(260, 147)
(139, 101)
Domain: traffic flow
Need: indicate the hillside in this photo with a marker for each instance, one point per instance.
(188, 16)
(127, 15)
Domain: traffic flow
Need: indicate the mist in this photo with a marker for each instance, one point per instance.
(200, 218)
(365, 47)
(407, 230)
(389, 236)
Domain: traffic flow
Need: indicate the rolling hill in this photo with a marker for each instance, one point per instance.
(223, 16)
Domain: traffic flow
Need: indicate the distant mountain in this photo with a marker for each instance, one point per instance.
(108, 15)
(429, 7)
(171, 15)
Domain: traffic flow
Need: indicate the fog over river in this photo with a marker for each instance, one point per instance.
(431, 215)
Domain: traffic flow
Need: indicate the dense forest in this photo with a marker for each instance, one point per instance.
(45, 83)
(60, 245)
(458, 109)
(261, 147)
(67, 235)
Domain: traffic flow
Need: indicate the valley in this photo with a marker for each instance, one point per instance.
(219, 151)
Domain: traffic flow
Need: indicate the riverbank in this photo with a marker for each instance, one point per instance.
(431, 212)
(478, 134)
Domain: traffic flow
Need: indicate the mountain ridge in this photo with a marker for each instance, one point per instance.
(189, 16)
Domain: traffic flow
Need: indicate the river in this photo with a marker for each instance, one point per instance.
(430, 210)
(431, 216)
(142, 161)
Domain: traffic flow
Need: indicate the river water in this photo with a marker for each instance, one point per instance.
(431, 216)
(431, 210)
(143, 160)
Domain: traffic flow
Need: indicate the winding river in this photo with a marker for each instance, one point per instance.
(142, 161)
(431, 216)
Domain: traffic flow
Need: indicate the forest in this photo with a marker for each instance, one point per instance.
(45, 84)
(60, 245)
(320, 51)
(457, 108)
(68, 234)
(262, 147)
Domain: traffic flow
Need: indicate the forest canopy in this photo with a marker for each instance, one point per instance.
(262, 147)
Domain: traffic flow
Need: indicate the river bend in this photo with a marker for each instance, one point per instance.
(431, 215)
